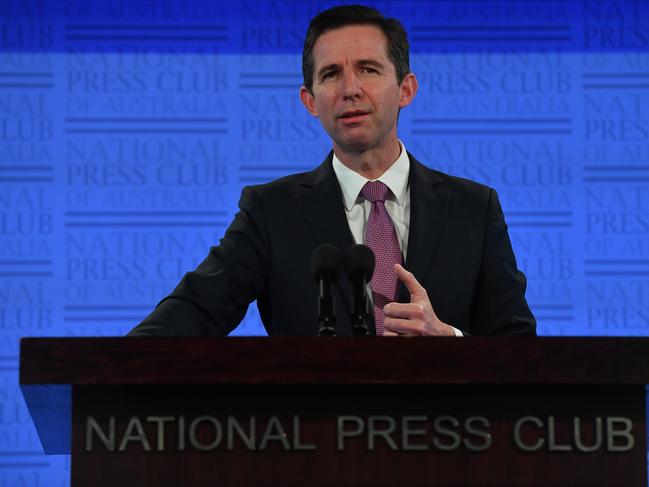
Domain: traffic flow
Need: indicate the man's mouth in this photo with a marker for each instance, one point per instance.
(353, 116)
(353, 113)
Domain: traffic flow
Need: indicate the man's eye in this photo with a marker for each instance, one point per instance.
(328, 75)
(367, 69)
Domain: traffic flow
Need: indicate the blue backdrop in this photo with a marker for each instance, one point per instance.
(129, 127)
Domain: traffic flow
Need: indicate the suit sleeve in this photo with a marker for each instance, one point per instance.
(500, 307)
(213, 299)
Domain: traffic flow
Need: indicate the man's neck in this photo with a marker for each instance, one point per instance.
(371, 163)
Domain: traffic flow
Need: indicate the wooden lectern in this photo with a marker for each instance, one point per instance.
(354, 411)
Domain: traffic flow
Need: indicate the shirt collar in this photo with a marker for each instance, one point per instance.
(395, 178)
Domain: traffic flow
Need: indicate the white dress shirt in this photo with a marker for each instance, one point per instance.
(357, 208)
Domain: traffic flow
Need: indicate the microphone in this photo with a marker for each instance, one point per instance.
(325, 267)
(359, 262)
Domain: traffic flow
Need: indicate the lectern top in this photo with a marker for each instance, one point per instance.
(340, 360)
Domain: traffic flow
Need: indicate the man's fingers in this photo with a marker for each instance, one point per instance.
(405, 310)
(401, 326)
(415, 289)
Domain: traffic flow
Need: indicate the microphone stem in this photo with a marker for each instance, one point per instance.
(326, 315)
(360, 308)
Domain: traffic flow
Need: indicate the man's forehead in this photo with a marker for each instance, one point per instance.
(351, 42)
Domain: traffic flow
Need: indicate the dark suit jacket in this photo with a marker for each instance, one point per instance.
(458, 249)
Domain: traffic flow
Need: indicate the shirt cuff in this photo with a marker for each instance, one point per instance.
(458, 333)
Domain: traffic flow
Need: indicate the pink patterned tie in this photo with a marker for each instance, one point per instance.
(382, 239)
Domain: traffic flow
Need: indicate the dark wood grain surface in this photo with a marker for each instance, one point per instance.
(385, 465)
(348, 360)
(319, 379)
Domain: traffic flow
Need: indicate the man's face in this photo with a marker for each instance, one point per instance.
(356, 95)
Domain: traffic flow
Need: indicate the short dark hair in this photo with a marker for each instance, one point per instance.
(336, 17)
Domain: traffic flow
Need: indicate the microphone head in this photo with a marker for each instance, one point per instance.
(326, 262)
(359, 262)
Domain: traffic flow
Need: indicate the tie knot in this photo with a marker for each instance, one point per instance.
(374, 191)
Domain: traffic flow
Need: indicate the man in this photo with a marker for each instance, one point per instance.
(448, 232)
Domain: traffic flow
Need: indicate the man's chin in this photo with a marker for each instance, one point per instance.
(356, 144)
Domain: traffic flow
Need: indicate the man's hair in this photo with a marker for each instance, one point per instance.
(336, 17)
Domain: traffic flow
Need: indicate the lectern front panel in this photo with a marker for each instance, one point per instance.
(360, 435)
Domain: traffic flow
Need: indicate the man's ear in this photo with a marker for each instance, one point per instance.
(308, 101)
(408, 90)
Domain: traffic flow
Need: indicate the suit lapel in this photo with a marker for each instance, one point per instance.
(322, 204)
(429, 202)
(324, 211)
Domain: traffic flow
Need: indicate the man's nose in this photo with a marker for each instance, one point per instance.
(351, 85)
